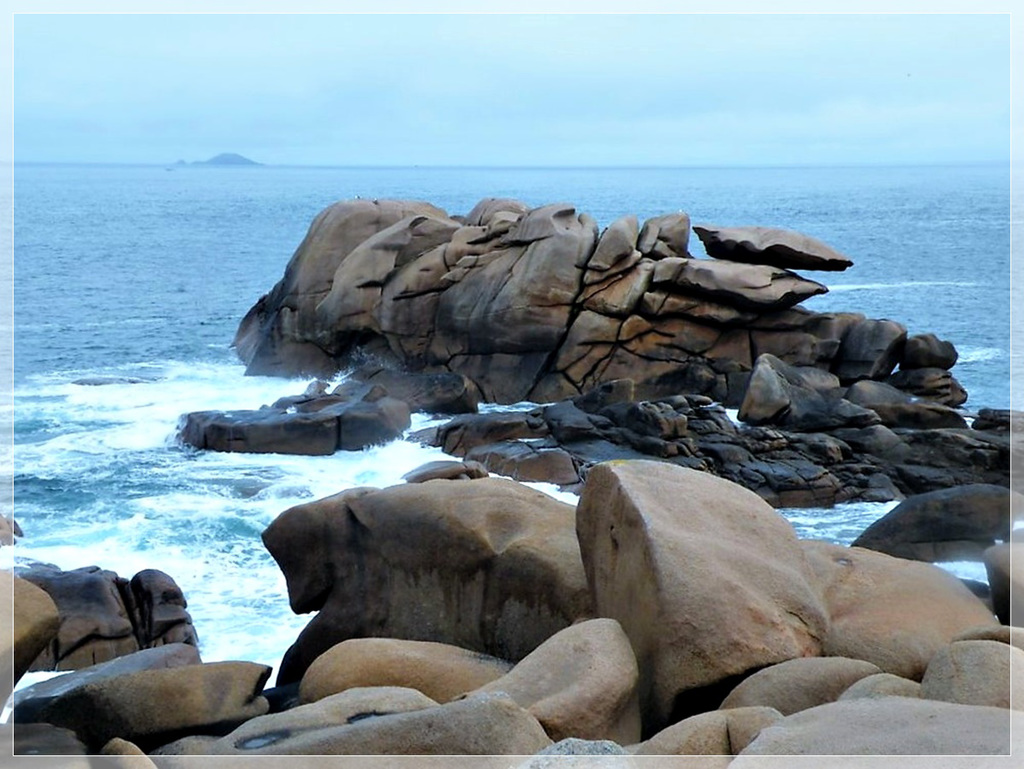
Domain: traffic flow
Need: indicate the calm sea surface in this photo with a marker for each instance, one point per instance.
(146, 271)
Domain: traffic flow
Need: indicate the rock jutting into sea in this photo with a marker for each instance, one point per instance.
(636, 345)
(538, 304)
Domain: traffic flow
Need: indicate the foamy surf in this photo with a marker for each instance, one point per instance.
(102, 481)
(896, 286)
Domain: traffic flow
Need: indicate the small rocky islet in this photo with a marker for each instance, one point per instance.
(673, 611)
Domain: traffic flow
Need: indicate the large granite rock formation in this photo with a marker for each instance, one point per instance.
(538, 304)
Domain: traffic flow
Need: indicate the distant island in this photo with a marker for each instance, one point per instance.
(223, 159)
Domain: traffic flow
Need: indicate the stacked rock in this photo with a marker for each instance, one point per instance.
(537, 304)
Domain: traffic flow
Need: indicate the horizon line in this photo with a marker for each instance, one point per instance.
(527, 166)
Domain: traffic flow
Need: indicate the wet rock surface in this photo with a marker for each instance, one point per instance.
(843, 455)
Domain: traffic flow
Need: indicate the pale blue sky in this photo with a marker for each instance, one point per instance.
(513, 90)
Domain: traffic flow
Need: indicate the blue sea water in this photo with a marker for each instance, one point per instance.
(145, 272)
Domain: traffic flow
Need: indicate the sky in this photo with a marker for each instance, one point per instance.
(534, 90)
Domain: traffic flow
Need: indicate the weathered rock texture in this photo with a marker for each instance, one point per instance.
(885, 726)
(486, 564)
(894, 613)
(103, 615)
(382, 721)
(787, 467)
(538, 304)
(707, 580)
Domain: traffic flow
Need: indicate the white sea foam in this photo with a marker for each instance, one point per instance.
(840, 287)
(974, 570)
(195, 515)
(978, 354)
(102, 482)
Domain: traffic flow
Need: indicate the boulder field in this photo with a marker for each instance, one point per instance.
(671, 613)
(539, 304)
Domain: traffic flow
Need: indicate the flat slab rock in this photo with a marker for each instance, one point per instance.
(772, 246)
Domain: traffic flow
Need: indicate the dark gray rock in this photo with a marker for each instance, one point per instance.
(803, 399)
(928, 351)
(955, 524)
(104, 616)
(897, 409)
(935, 384)
(437, 393)
(870, 349)
(309, 426)
(770, 245)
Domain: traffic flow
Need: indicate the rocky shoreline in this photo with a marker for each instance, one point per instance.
(672, 612)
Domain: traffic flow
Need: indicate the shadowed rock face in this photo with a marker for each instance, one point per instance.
(770, 245)
(538, 304)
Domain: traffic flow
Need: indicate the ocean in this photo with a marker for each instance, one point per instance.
(143, 273)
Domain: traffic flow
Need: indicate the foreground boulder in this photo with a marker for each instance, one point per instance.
(894, 613)
(707, 580)
(885, 726)
(799, 684)
(1005, 566)
(487, 565)
(442, 672)
(580, 683)
(956, 524)
(715, 733)
(882, 685)
(151, 707)
(31, 701)
(35, 623)
(382, 721)
(976, 673)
